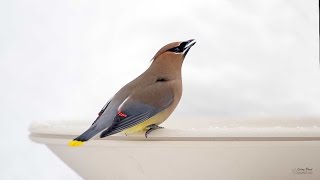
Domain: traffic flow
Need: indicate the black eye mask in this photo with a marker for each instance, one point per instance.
(177, 49)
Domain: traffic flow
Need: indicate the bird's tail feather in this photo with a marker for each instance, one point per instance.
(88, 134)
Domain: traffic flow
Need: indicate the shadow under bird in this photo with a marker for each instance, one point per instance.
(145, 102)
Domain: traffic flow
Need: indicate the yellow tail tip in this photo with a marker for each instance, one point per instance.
(75, 143)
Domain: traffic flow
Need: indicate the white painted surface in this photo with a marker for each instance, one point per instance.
(219, 127)
(191, 154)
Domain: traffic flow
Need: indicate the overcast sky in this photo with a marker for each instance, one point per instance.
(64, 59)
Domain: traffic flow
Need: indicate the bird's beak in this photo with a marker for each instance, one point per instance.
(187, 45)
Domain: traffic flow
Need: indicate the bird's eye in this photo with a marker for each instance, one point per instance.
(175, 49)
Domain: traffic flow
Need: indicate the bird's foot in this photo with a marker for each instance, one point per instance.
(152, 127)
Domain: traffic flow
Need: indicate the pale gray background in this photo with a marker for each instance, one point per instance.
(64, 59)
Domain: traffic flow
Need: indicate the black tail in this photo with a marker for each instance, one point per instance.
(88, 134)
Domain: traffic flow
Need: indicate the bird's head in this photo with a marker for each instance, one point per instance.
(175, 51)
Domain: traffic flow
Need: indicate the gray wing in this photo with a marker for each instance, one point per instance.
(102, 110)
(99, 124)
(139, 107)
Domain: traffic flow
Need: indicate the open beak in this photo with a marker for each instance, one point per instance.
(187, 45)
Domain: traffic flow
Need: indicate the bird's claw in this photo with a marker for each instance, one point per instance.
(152, 127)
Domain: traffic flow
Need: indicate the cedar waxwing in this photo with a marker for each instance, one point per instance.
(145, 102)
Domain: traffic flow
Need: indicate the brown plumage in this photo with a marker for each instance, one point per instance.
(147, 101)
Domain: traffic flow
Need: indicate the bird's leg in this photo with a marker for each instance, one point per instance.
(152, 127)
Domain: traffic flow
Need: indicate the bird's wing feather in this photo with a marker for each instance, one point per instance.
(102, 110)
(140, 106)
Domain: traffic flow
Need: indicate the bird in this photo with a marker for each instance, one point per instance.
(146, 101)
